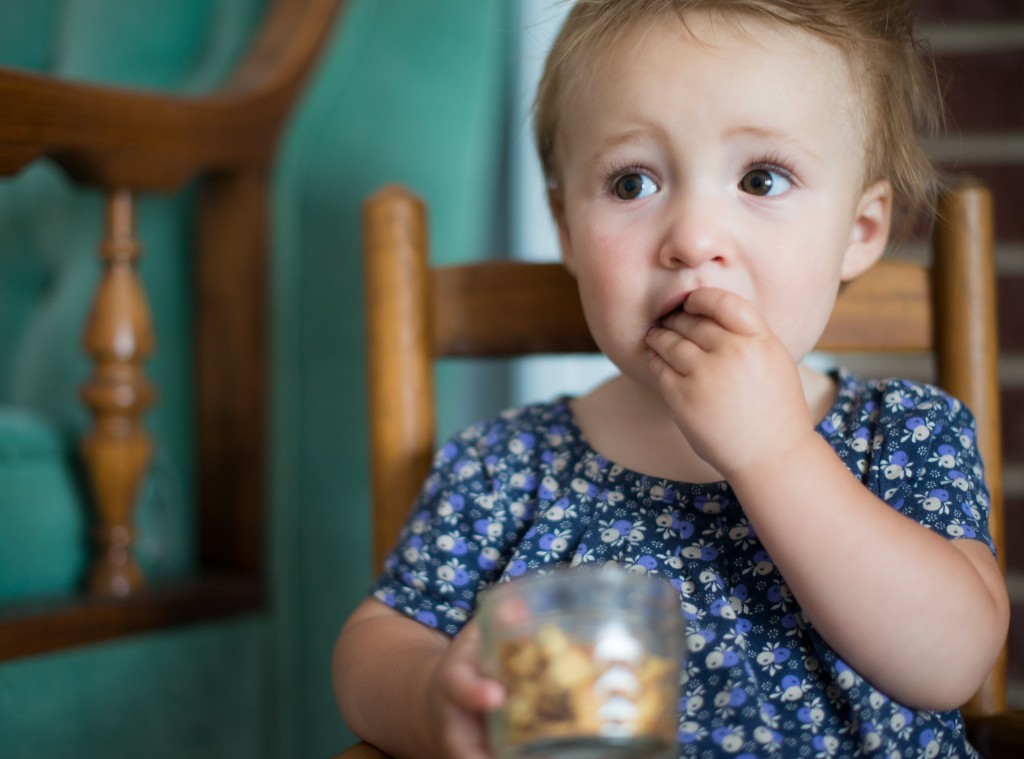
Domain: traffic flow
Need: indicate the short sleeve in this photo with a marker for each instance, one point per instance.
(465, 524)
(928, 465)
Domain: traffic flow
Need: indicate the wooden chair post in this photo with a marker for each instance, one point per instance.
(967, 357)
(117, 449)
(399, 358)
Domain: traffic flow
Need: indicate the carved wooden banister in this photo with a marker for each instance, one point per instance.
(119, 137)
(125, 142)
(117, 450)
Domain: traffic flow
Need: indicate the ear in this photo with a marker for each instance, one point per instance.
(869, 234)
(557, 205)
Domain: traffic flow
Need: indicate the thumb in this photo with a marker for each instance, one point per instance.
(464, 680)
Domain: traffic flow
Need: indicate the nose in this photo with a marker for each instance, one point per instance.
(696, 233)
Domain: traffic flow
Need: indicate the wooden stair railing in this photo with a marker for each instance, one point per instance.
(127, 142)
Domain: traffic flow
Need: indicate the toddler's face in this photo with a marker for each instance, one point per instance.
(729, 157)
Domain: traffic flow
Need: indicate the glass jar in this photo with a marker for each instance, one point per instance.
(590, 660)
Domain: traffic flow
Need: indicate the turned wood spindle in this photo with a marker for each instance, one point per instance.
(117, 449)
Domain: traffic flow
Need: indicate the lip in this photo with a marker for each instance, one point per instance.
(673, 304)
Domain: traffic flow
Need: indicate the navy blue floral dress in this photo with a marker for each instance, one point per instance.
(525, 490)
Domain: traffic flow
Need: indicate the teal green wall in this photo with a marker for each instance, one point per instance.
(409, 91)
(197, 692)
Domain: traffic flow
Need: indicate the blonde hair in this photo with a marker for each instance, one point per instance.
(889, 64)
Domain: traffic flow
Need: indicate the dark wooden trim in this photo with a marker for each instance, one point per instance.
(231, 339)
(362, 751)
(998, 736)
(120, 137)
(44, 626)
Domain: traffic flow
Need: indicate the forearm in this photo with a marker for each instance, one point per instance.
(920, 617)
(381, 670)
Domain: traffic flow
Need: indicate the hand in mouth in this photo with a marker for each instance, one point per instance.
(675, 306)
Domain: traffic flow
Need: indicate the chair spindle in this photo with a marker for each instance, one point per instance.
(117, 449)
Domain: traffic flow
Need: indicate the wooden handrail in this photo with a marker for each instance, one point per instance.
(121, 137)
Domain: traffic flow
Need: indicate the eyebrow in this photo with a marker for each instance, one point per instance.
(647, 131)
(776, 135)
(626, 136)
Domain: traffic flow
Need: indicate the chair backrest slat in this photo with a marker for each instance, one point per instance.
(537, 306)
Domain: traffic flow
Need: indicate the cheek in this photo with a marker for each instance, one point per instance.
(796, 298)
(604, 263)
(611, 292)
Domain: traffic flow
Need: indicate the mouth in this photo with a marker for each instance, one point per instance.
(673, 307)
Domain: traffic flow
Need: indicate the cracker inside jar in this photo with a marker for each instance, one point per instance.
(606, 685)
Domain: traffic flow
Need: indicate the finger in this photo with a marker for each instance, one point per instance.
(469, 689)
(511, 611)
(470, 695)
(659, 367)
(466, 736)
(734, 313)
(672, 350)
(464, 680)
(701, 330)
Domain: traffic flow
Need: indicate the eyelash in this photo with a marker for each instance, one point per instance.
(774, 162)
(769, 162)
(617, 171)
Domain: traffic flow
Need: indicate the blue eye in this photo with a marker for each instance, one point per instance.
(634, 186)
(765, 182)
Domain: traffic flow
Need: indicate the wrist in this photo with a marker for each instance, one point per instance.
(428, 691)
(781, 461)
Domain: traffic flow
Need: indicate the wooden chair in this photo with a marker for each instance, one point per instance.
(416, 314)
(126, 143)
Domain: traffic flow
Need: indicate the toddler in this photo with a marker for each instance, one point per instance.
(717, 169)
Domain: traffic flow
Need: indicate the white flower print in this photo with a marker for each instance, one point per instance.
(728, 701)
(770, 739)
(958, 480)
(553, 544)
(758, 679)
(780, 596)
(583, 487)
(518, 509)
(614, 532)
(944, 456)
(917, 430)
(561, 510)
(773, 657)
(468, 469)
(826, 746)
(812, 714)
(791, 689)
(693, 701)
(936, 500)
(898, 400)
(451, 574)
(710, 580)
(671, 560)
(742, 535)
(897, 467)
(691, 732)
(761, 565)
(729, 738)
(418, 579)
